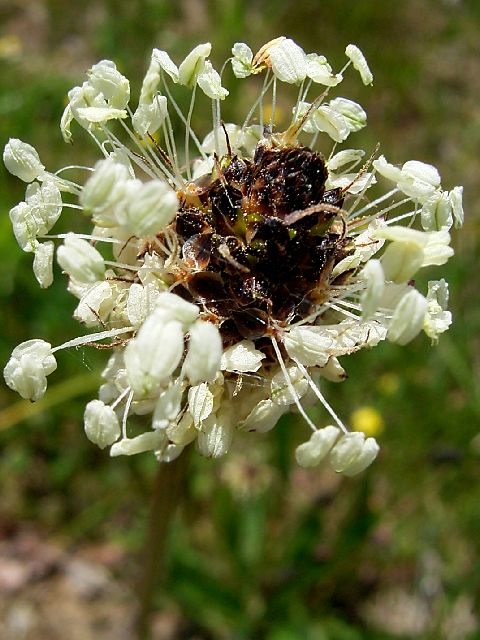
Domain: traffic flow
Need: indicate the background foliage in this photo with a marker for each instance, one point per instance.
(262, 549)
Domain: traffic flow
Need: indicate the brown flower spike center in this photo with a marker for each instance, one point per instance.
(257, 246)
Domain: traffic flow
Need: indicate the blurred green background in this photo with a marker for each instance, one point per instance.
(262, 549)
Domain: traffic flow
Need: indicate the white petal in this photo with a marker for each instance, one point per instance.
(346, 451)
(43, 263)
(107, 80)
(193, 64)
(22, 160)
(280, 389)
(154, 354)
(200, 403)
(101, 424)
(145, 442)
(408, 317)
(27, 370)
(456, 200)
(436, 214)
(401, 261)
(263, 417)
(312, 452)
(242, 60)
(331, 122)
(80, 260)
(176, 308)
(321, 72)
(372, 294)
(150, 117)
(210, 82)
(97, 115)
(307, 346)
(387, 170)
(364, 459)
(242, 357)
(166, 63)
(354, 114)
(288, 61)
(204, 352)
(359, 62)
(148, 207)
(216, 435)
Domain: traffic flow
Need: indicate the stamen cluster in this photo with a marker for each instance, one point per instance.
(229, 284)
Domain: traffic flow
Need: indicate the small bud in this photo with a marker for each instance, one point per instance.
(408, 317)
(101, 424)
(22, 160)
(202, 361)
(311, 453)
(27, 370)
(80, 260)
(359, 63)
(43, 263)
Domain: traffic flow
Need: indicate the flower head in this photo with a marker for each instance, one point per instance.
(228, 284)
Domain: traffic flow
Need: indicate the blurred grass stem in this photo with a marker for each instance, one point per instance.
(167, 491)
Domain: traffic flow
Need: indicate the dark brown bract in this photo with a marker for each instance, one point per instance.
(259, 240)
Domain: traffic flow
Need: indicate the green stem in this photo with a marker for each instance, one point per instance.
(166, 496)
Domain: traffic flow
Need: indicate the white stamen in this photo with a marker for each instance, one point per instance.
(290, 386)
(93, 337)
(320, 396)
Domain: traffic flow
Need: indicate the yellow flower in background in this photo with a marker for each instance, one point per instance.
(368, 420)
